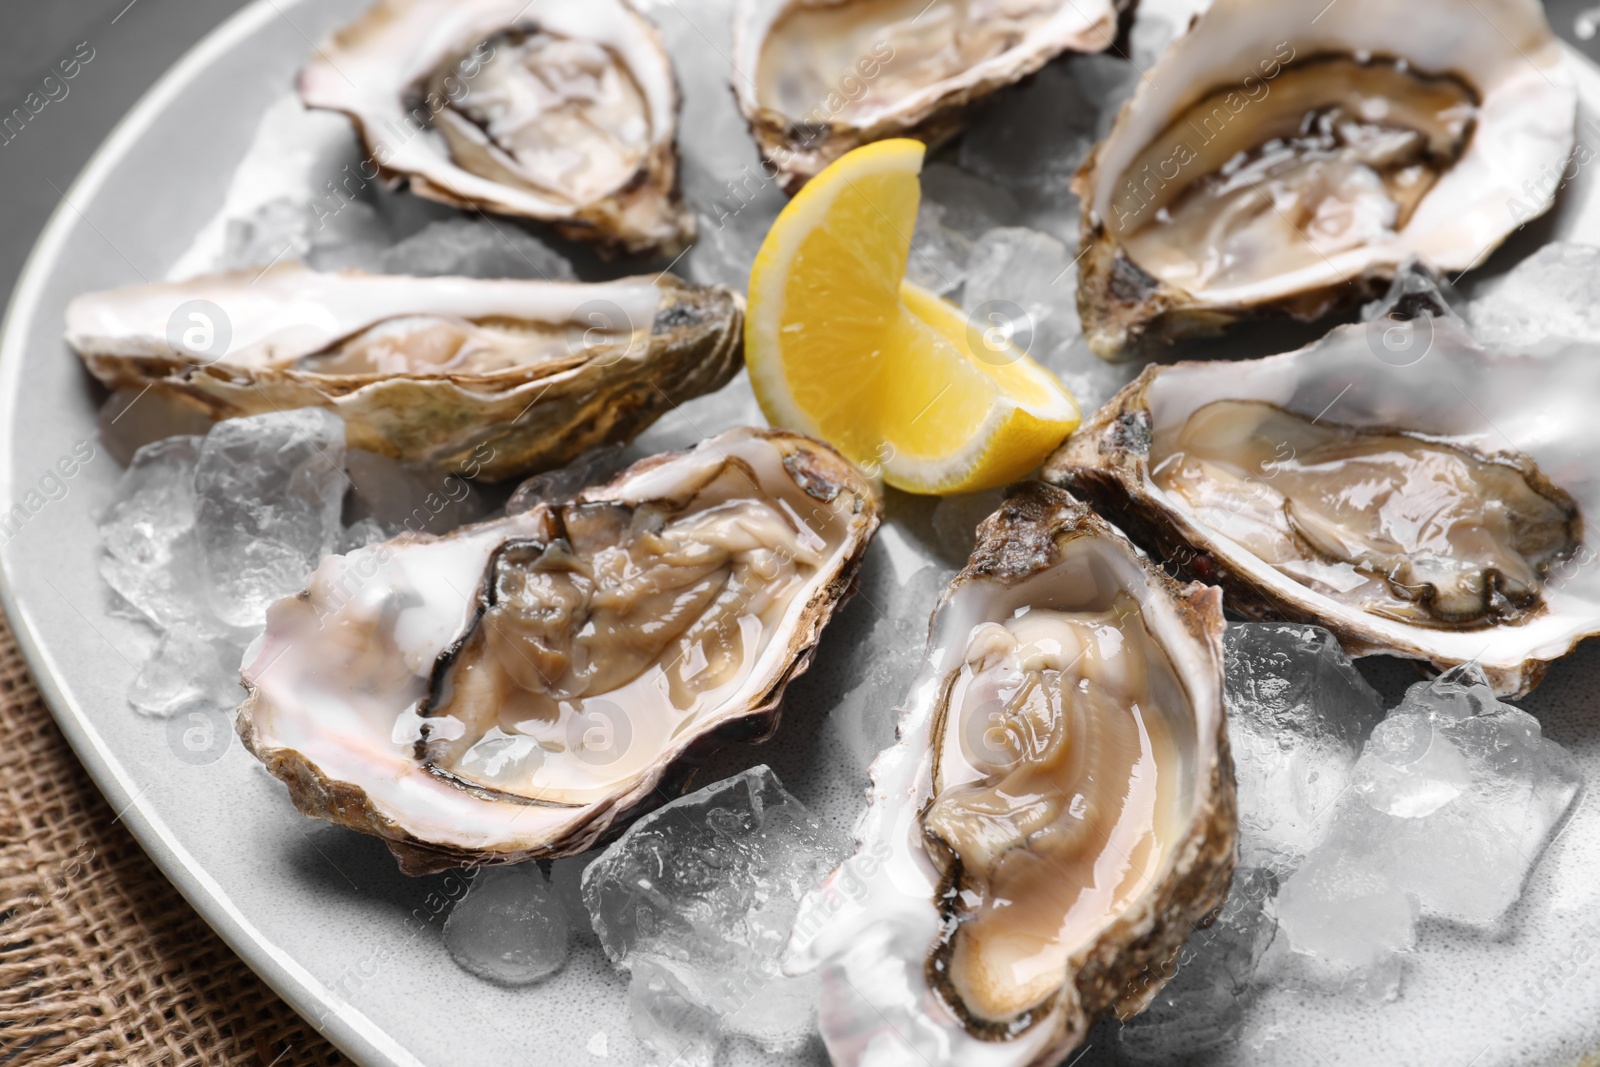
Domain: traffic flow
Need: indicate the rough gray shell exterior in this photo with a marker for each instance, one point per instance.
(494, 426)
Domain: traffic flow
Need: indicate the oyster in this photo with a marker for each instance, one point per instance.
(1434, 510)
(553, 110)
(504, 377)
(520, 688)
(816, 79)
(1285, 157)
(1057, 815)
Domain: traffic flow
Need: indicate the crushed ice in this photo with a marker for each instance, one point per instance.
(1452, 802)
(1353, 825)
(697, 900)
(204, 532)
(1549, 294)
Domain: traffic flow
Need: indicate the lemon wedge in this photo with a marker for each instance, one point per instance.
(842, 347)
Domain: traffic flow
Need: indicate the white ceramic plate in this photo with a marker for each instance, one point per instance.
(323, 915)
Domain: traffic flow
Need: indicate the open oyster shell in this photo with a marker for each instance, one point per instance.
(555, 110)
(817, 79)
(1056, 818)
(520, 688)
(1283, 157)
(1428, 500)
(507, 377)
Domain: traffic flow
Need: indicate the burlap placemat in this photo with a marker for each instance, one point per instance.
(101, 961)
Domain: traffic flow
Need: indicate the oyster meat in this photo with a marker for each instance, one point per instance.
(1057, 815)
(497, 377)
(1283, 157)
(519, 688)
(1387, 521)
(816, 79)
(1436, 510)
(544, 109)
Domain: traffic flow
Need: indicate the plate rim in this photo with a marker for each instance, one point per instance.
(351, 1031)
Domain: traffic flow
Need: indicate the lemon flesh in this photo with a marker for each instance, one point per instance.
(840, 346)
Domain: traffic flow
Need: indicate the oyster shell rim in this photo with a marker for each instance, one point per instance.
(533, 417)
(1196, 865)
(347, 804)
(933, 121)
(1128, 962)
(1106, 461)
(1127, 313)
(603, 222)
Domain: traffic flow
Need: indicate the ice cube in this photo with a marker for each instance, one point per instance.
(863, 719)
(1456, 796)
(1091, 380)
(1025, 283)
(874, 649)
(405, 213)
(689, 423)
(353, 237)
(475, 248)
(711, 131)
(1452, 802)
(1021, 287)
(1346, 922)
(697, 900)
(1033, 271)
(268, 494)
(1417, 291)
(1550, 294)
(509, 928)
(1297, 714)
(331, 234)
(275, 232)
(970, 205)
(1203, 1004)
(1033, 138)
(189, 667)
(729, 238)
(734, 194)
(363, 532)
(907, 604)
(667, 1018)
(147, 533)
(938, 259)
